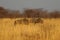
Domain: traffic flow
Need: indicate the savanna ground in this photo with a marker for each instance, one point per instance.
(48, 30)
(13, 28)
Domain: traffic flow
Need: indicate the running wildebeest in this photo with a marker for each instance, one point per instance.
(25, 21)
(36, 20)
(17, 22)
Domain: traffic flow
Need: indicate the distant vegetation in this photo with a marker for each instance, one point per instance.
(28, 13)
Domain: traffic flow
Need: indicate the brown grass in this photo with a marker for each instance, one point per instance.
(34, 24)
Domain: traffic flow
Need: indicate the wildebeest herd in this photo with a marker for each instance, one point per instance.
(26, 21)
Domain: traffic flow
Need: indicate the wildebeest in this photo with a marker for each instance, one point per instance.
(25, 21)
(17, 22)
(36, 20)
(22, 21)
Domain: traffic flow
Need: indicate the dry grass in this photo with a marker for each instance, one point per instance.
(49, 30)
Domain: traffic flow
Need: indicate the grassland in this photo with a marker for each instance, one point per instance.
(49, 30)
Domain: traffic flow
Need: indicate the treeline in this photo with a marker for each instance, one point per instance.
(28, 13)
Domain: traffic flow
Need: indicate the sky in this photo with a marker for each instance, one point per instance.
(21, 4)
